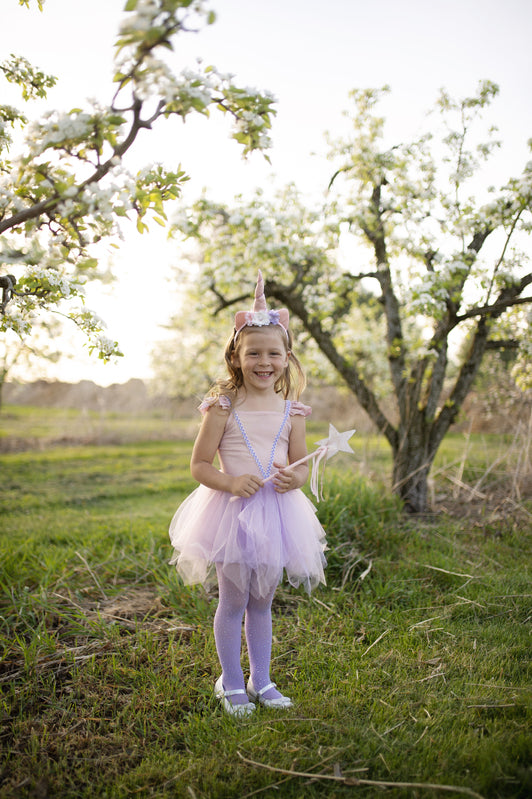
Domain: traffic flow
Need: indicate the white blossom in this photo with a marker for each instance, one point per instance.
(105, 346)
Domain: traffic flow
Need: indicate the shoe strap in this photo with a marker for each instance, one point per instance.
(233, 693)
(266, 688)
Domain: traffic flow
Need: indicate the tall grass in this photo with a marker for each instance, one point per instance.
(410, 669)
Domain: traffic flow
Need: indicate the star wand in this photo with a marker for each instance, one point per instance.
(327, 447)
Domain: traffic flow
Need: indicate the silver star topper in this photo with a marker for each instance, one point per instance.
(336, 442)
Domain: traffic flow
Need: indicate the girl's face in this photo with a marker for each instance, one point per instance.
(262, 356)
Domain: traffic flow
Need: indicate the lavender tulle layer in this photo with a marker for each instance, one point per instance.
(252, 539)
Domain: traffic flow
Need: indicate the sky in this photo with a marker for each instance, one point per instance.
(309, 54)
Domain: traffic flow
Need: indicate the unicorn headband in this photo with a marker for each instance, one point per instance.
(261, 315)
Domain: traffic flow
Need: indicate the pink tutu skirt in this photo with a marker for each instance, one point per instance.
(252, 539)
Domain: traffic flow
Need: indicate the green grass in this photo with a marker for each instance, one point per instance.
(411, 666)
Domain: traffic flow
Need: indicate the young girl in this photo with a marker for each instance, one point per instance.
(246, 526)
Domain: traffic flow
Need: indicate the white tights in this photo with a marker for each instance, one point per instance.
(232, 605)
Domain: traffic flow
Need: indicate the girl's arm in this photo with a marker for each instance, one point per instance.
(288, 479)
(204, 452)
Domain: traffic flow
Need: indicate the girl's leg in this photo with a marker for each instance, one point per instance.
(259, 641)
(228, 635)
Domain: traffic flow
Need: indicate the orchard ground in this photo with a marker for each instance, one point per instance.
(409, 671)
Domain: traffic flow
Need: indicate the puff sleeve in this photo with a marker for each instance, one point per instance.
(223, 401)
(298, 409)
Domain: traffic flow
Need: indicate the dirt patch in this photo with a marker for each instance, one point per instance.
(136, 608)
(498, 509)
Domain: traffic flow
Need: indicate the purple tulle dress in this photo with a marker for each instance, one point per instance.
(253, 538)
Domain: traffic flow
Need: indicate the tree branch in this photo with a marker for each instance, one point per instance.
(462, 386)
(437, 381)
(478, 239)
(310, 776)
(394, 333)
(7, 284)
(362, 275)
(507, 344)
(496, 309)
(508, 298)
(50, 204)
(325, 343)
(503, 253)
(224, 303)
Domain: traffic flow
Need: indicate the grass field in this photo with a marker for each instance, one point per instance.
(410, 671)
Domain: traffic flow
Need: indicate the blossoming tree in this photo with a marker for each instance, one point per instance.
(67, 188)
(442, 278)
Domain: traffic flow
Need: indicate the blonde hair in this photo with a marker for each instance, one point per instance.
(291, 383)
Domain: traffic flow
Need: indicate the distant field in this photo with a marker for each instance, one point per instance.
(23, 426)
(472, 467)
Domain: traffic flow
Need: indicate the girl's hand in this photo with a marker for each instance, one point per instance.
(286, 479)
(245, 485)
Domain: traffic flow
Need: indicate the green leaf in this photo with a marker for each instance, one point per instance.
(88, 263)
(115, 119)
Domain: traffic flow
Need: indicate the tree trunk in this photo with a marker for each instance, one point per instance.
(412, 462)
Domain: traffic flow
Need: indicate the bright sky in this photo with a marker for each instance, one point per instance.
(309, 54)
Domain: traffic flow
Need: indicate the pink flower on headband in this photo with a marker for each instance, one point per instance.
(260, 315)
(262, 318)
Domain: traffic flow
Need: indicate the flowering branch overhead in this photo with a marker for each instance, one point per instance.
(69, 189)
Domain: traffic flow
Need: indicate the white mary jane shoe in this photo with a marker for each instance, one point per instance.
(257, 696)
(233, 710)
